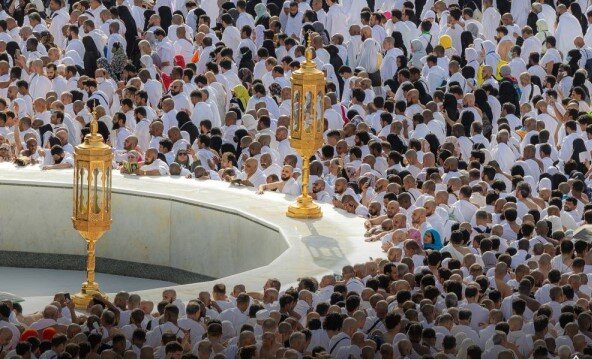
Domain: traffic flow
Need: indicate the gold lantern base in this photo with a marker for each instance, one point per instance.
(304, 208)
(86, 294)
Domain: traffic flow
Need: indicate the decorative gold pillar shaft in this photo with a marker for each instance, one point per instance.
(90, 261)
(305, 175)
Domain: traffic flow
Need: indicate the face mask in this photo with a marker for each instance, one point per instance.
(100, 80)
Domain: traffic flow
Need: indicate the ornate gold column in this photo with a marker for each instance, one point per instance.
(306, 127)
(92, 202)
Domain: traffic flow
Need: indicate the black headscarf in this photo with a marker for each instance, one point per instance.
(576, 11)
(185, 124)
(531, 21)
(246, 59)
(579, 79)
(11, 48)
(131, 33)
(451, 106)
(508, 93)
(399, 43)
(482, 103)
(197, 12)
(337, 62)
(166, 17)
(575, 55)
(579, 147)
(270, 46)
(147, 14)
(466, 39)
(91, 55)
(275, 7)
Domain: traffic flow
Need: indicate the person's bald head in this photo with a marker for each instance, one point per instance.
(349, 326)
(50, 312)
(156, 128)
(251, 166)
(355, 30)
(174, 133)
(177, 19)
(181, 32)
(144, 75)
(255, 148)
(579, 42)
(168, 104)
(561, 8)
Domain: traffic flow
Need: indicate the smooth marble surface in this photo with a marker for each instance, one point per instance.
(221, 230)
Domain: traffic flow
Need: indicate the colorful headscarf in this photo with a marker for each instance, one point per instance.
(242, 94)
(260, 11)
(436, 240)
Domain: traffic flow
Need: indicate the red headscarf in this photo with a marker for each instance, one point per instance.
(48, 333)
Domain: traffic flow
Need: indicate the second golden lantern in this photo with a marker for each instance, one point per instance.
(307, 126)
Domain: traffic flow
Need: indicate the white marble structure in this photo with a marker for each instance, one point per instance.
(205, 227)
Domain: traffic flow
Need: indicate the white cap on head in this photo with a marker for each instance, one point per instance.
(544, 183)
(262, 315)
(428, 14)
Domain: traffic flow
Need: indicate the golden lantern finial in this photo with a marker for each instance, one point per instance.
(309, 53)
(94, 124)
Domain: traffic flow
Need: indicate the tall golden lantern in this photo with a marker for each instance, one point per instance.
(92, 202)
(306, 127)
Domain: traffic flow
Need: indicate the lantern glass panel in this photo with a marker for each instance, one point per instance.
(296, 112)
(97, 191)
(320, 114)
(83, 191)
(307, 111)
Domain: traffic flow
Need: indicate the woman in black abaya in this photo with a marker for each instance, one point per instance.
(131, 33)
(91, 55)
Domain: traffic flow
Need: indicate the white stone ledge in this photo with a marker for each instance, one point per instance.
(204, 227)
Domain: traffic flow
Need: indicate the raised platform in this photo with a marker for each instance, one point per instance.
(176, 229)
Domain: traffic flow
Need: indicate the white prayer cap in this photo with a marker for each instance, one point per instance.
(227, 330)
(552, 170)
(67, 61)
(428, 14)
(544, 183)
(262, 315)
(286, 4)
